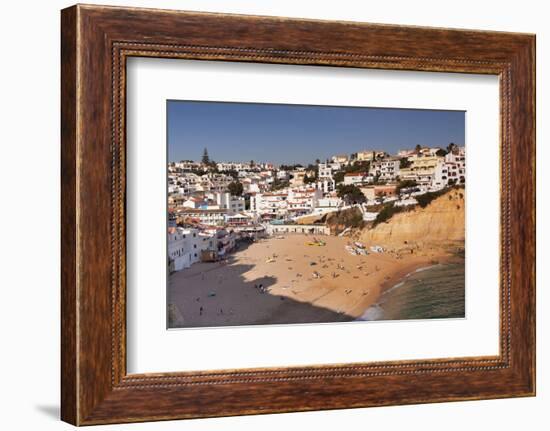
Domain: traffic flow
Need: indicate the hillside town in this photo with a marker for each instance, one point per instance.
(215, 206)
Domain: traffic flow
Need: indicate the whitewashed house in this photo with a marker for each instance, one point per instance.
(355, 178)
(184, 247)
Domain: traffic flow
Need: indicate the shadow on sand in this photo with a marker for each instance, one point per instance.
(219, 295)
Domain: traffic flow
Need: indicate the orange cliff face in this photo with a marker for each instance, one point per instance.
(440, 224)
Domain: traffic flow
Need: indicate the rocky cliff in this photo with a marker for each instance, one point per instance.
(440, 223)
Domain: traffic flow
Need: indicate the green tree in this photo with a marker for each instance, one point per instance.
(350, 194)
(404, 163)
(405, 184)
(451, 147)
(357, 166)
(417, 148)
(385, 213)
(309, 180)
(277, 184)
(205, 157)
(235, 188)
(425, 199)
(441, 152)
(338, 177)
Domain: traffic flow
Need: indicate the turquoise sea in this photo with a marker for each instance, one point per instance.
(435, 292)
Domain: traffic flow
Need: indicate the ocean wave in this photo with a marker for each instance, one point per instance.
(374, 312)
(437, 293)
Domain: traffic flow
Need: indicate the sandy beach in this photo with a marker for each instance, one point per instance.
(285, 280)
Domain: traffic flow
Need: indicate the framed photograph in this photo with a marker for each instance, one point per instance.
(266, 215)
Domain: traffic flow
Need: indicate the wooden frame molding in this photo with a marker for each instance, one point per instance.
(95, 43)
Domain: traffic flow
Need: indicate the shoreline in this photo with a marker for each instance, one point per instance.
(275, 281)
(422, 294)
(445, 259)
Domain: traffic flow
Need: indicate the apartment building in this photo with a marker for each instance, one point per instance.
(270, 204)
(302, 201)
(452, 170)
(326, 170)
(422, 169)
(226, 201)
(386, 169)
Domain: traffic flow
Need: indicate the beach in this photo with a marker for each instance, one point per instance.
(286, 280)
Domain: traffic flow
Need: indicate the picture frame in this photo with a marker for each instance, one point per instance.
(96, 42)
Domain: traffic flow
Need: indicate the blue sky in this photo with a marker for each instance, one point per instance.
(288, 134)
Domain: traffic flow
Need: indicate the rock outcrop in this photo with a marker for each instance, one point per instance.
(441, 223)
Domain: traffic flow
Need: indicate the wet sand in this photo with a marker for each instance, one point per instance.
(230, 293)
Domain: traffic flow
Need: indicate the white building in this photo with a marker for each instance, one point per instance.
(422, 169)
(330, 202)
(354, 178)
(452, 170)
(225, 241)
(185, 246)
(232, 166)
(274, 204)
(188, 165)
(386, 169)
(283, 175)
(325, 185)
(312, 229)
(211, 217)
(226, 201)
(324, 170)
(212, 182)
(194, 202)
(239, 219)
(255, 183)
(185, 183)
(303, 200)
(327, 170)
